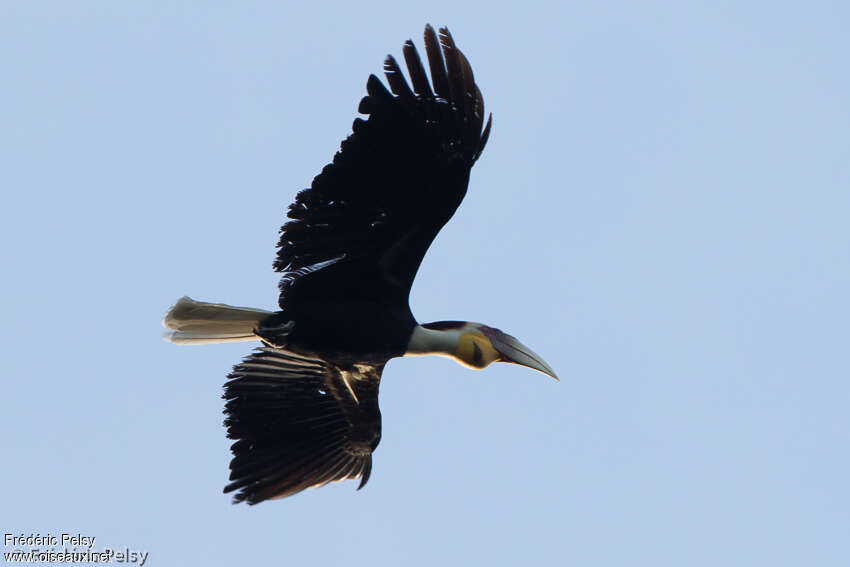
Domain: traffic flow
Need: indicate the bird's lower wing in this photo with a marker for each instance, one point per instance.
(298, 423)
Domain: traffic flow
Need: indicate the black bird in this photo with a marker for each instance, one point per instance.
(303, 408)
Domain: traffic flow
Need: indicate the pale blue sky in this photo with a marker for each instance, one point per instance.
(661, 212)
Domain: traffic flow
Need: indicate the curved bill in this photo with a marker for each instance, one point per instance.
(513, 351)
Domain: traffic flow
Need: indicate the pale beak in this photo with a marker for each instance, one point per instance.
(513, 351)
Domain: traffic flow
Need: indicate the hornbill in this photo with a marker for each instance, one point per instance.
(303, 408)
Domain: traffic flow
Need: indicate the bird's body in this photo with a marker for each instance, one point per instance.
(303, 410)
(342, 333)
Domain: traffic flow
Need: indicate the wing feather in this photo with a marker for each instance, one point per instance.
(453, 67)
(397, 82)
(435, 62)
(298, 423)
(417, 72)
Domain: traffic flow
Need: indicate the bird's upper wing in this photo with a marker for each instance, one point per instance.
(371, 214)
(299, 423)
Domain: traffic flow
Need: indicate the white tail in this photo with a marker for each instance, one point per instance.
(198, 323)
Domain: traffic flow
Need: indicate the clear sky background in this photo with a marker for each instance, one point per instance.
(661, 212)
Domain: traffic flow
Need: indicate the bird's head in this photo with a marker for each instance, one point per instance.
(474, 345)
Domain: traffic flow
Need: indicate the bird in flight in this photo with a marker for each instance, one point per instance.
(302, 409)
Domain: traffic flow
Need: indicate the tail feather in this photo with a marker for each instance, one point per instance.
(197, 323)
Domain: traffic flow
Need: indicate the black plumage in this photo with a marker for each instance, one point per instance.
(304, 410)
(397, 179)
(299, 422)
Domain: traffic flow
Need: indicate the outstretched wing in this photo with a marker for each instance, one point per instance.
(299, 423)
(369, 216)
